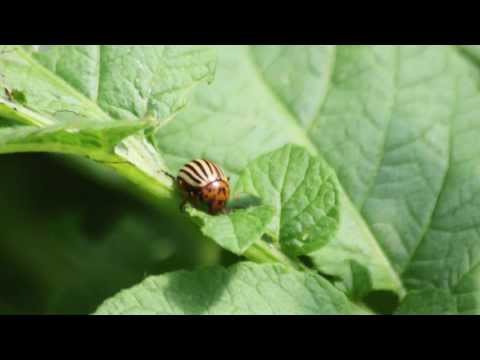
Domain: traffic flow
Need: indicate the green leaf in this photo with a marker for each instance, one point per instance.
(245, 288)
(235, 231)
(303, 191)
(399, 126)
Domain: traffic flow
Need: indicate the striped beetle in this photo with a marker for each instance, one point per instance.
(204, 182)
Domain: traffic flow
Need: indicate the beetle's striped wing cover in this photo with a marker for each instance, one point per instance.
(200, 172)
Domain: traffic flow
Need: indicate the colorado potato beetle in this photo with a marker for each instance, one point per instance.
(204, 182)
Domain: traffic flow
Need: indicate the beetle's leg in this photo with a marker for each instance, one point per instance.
(184, 202)
(189, 196)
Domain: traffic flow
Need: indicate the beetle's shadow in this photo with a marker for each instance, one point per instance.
(244, 201)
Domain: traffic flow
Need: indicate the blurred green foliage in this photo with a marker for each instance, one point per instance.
(68, 241)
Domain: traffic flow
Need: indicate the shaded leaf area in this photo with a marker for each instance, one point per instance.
(245, 288)
(398, 124)
(67, 242)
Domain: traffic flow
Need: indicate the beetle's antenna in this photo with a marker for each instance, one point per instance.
(169, 175)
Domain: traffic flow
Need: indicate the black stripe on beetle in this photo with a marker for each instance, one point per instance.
(209, 166)
(202, 166)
